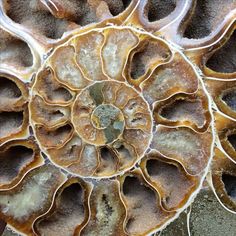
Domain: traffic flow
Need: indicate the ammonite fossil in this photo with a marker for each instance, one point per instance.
(118, 117)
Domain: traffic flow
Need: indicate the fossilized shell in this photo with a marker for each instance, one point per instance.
(112, 113)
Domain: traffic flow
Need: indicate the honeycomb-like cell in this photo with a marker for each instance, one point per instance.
(223, 179)
(170, 180)
(114, 115)
(15, 54)
(13, 108)
(31, 198)
(69, 213)
(16, 158)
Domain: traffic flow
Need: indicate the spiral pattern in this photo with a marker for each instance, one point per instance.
(115, 114)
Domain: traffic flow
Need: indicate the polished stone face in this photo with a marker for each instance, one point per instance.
(104, 116)
(114, 114)
(110, 119)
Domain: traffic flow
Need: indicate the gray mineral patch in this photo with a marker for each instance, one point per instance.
(209, 218)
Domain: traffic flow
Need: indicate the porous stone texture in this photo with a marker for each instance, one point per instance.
(112, 114)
